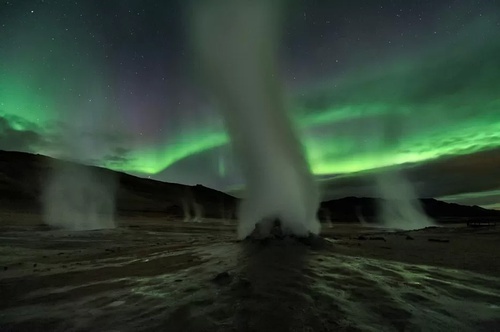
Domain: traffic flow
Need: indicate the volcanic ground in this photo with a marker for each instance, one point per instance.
(154, 273)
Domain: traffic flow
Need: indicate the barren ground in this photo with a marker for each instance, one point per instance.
(152, 273)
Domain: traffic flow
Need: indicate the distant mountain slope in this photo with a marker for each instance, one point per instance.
(358, 208)
(22, 176)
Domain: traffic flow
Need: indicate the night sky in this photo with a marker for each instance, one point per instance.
(369, 84)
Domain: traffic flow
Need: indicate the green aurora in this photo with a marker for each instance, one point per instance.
(444, 103)
(415, 108)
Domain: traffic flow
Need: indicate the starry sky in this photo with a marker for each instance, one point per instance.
(368, 85)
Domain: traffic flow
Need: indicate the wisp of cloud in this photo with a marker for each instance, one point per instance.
(236, 43)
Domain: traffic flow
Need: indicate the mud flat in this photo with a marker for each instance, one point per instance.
(154, 273)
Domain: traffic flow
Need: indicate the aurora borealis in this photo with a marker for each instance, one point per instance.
(369, 85)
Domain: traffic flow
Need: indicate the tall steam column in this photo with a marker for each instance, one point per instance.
(236, 42)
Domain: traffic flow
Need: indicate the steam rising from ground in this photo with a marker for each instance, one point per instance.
(399, 206)
(237, 42)
(78, 198)
(193, 211)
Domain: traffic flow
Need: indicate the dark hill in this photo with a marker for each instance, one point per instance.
(350, 209)
(23, 175)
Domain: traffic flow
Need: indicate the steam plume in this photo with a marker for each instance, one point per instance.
(237, 42)
(193, 211)
(78, 197)
(399, 206)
